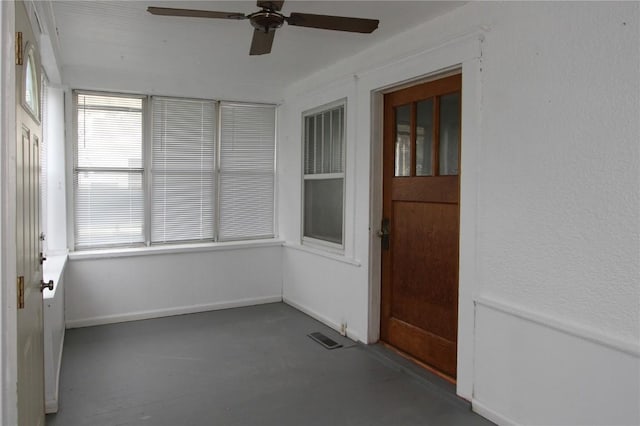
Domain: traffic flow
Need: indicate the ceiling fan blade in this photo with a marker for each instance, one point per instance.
(168, 11)
(261, 42)
(337, 23)
(273, 5)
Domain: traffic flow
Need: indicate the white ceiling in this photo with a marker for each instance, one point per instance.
(120, 37)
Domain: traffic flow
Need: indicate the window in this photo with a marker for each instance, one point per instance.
(108, 171)
(30, 81)
(323, 211)
(171, 179)
(247, 170)
(182, 169)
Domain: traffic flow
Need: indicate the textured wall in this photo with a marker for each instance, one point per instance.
(559, 179)
(552, 207)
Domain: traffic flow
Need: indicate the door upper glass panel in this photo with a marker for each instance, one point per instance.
(427, 135)
(424, 138)
(449, 133)
(30, 85)
(403, 141)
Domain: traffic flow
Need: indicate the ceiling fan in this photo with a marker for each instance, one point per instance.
(267, 20)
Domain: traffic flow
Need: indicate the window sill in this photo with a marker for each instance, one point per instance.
(327, 254)
(172, 249)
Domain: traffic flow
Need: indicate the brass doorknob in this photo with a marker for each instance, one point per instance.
(44, 285)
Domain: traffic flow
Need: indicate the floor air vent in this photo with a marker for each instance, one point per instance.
(324, 340)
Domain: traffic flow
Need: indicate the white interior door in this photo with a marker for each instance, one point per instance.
(28, 255)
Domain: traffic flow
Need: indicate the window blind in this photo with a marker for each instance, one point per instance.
(247, 170)
(108, 171)
(182, 169)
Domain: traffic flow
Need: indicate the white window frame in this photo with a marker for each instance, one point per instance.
(220, 170)
(147, 170)
(148, 151)
(310, 241)
(71, 190)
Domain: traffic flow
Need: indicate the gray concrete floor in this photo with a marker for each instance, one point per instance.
(244, 366)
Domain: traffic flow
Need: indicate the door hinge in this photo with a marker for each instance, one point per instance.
(19, 58)
(20, 292)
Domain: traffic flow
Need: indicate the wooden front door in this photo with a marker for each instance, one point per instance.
(421, 222)
(28, 243)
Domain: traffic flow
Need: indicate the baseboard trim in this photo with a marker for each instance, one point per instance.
(167, 312)
(323, 319)
(491, 415)
(563, 326)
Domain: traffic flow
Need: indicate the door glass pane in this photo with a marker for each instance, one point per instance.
(30, 88)
(424, 138)
(449, 133)
(403, 140)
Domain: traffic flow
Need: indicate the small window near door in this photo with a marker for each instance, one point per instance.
(323, 188)
(30, 98)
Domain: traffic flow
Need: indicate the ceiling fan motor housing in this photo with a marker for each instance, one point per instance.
(266, 20)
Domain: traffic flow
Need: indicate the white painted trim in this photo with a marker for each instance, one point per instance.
(323, 253)
(376, 200)
(69, 136)
(172, 249)
(468, 283)
(323, 319)
(51, 405)
(8, 314)
(158, 313)
(452, 42)
(594, 336)
(489, 414)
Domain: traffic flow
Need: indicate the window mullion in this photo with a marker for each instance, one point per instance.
(147, 162)
(216, 173)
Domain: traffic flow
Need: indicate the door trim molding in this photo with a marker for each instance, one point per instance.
(8, 313)
(464, 53)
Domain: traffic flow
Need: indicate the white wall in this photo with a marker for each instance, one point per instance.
(56, 225)
(148, 283)
(54, 328)
(121, 287)
(550, 204)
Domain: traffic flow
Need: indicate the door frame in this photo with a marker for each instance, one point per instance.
(463, 53)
